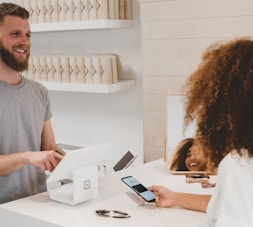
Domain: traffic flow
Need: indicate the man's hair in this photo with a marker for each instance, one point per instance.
(220, 97)
(11, 9)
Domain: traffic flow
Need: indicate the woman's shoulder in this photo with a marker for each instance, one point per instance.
(235, 162)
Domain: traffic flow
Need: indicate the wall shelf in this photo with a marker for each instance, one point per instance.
(81, 25)
(91, 88)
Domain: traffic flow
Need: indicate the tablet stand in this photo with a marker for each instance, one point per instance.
(81, 186)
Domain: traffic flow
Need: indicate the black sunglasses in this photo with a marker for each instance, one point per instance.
(112, 213)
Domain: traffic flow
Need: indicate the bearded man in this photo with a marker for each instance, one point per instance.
(27, 143)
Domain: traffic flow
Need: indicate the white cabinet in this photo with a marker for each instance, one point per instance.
(86, 25)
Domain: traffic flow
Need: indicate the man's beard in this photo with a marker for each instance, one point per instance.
(9, 59)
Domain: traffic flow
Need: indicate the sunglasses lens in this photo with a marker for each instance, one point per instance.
(120, 212)
(102, 212)
(112, 213)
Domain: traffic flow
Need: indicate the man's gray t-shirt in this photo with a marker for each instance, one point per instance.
(24, 109)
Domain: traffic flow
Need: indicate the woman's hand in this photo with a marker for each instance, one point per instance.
(164, 196)
(168, 198)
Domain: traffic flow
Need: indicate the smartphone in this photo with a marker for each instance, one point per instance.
(125, 161)
(141, 190)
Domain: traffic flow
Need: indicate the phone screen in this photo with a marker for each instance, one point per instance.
(141, 190)
(124, 162)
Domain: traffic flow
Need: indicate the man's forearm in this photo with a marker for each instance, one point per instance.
(12, 162)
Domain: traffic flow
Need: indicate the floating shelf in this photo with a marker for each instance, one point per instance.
(91, 88)
(81, 25)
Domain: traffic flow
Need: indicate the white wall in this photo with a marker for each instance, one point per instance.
(84, 118)
(174, 34)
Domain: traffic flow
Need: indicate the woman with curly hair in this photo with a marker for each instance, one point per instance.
(220, 97)
(187, 157)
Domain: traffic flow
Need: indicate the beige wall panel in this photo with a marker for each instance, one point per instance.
(153, 153)
(197, 28)
(154, 102)
(214, 8)
(154, 129)
(169, 66)
(165, 10)
(163, 85)
(183, 48)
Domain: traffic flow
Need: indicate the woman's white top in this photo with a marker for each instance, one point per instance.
(231, 205)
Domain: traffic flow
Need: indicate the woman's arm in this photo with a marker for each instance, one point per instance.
(168, 198)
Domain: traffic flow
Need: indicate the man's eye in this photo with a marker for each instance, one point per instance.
(14, 34)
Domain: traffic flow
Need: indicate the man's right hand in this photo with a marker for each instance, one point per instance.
(45, 160)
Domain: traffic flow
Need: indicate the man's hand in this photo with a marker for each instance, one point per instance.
(45, 160)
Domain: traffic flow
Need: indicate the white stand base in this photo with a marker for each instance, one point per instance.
(82, 186)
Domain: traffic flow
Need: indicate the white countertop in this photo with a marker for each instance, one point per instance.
(39, 210)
